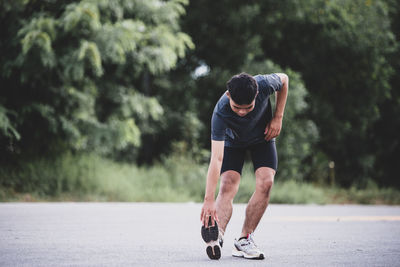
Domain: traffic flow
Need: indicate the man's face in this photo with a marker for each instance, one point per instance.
(241, 110)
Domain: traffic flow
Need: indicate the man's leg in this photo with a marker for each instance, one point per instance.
(228, 188)
(259, 200)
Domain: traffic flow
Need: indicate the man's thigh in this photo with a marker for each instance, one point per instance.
(264, 155)
(233, 159)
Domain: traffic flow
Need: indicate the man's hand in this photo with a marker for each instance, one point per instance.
(208, 210)
(273, 128)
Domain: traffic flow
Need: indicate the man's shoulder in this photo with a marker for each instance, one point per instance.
(268, 82)
(265, 77)
(222, 104)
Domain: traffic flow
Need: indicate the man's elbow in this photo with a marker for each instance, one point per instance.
(217, 158)
(284, 77)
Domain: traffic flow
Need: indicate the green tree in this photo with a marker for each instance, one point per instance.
(341, 48)
(226, 44)
(73, 73)
(387, 128)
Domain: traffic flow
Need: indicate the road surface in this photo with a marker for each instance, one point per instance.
(164, 234)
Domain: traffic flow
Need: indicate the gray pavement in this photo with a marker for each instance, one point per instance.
(158, 234)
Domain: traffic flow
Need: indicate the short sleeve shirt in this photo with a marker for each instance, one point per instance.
(238, 131)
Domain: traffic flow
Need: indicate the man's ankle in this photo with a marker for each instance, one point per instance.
(243, 236)
(221, 231)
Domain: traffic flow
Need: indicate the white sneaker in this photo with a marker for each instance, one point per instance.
(246, 248)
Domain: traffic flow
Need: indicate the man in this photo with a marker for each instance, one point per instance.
(242, 121)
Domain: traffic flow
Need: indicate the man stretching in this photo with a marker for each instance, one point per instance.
(242, 120)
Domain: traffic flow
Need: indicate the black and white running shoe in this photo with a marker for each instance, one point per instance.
(214, 239)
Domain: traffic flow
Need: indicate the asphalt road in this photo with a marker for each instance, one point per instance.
(154, 234)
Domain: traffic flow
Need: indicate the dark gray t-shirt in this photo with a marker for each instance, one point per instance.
(248, 130)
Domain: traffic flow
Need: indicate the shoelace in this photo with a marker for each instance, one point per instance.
(250, 242)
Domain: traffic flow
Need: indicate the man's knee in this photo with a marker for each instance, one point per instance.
(266, 184)
(229, 182)
(265, 179)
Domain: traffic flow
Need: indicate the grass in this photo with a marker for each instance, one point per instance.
(91, 178)
(177, 179)
(290, 192)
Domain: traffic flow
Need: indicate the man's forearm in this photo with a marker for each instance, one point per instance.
(212, 179)
(281, 96)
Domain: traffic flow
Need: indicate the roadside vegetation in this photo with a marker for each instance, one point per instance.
(111, 100)
(176, 179)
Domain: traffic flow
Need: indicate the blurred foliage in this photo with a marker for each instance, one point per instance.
(73, 73)
(89, 177)
(342, 49)
(120, 78)
(385, 140)
(346, 53)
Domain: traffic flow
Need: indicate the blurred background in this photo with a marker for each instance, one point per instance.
(111, 100)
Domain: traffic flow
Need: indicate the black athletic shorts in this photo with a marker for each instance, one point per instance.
(262, 154)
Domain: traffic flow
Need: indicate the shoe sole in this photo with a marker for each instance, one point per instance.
(210, 236)
(210, 233)
(241, 254)
(213, 251)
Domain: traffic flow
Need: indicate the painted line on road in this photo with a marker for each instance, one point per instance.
(332, 218)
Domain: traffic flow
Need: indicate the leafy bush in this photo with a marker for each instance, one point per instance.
(76, 72)
(178, 179)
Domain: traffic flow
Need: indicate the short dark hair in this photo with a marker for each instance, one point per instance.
(242, 88)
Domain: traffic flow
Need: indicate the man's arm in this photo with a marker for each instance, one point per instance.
(273, 128)
(214, 169)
